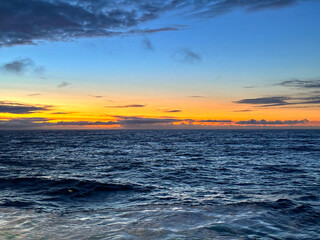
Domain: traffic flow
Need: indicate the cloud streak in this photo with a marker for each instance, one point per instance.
(172, 111)
(301, 84)
(18, 108)
(127, 106)
(310, 95)
(31, 22)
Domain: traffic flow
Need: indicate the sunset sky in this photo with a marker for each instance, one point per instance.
(68, 64)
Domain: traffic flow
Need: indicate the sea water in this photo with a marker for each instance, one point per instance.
(160, 184)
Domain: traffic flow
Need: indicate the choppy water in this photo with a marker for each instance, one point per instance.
(221, 184)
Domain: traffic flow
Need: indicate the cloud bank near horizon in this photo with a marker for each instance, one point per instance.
(136, 122)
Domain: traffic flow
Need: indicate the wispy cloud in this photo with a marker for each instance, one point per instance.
(22, 65)
(244, 110)
(197, 96)
(63, 84)
(146, 43)
(302, 84)
(34, 21)
(33, 94)
(282, 101)
(127, 106)
(19, 108)
(186, 55)
(172, 111)
(308, 95)
(61, 113)
(96, 96)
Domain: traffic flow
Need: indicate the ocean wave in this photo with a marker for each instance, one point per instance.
(66, 187)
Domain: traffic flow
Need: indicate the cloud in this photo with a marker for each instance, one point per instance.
(282, 101)
(245, 110)
(22, 65)
(292, 102)
(172, 111)
(146, 43)
(23, 123)
(62, 113)
(302, 84)
(215, 121)
(34, 94)
(196, 96)
(144, 121)
(96, 96)
(276, 122)
(17, 66)
(31, 22)
(18, 108)
(209, 9)
(134, 122)
(63, 84)
(127, 106)
(265, 100)
(186, 55)
(86, 123)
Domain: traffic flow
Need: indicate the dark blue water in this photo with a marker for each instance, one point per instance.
(220, 184)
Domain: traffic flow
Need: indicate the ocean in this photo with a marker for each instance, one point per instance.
(160, 184)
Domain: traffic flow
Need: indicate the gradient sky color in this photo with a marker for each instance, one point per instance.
(159, 64)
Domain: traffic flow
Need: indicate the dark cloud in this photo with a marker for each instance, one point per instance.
(135, 122)
(127, 106)
(302, 84)
(85, 123)
(22, 65)
(215, 121)
(23, 123)
(144, 121)
(18, 108)
(172, 111)
(282, 101)
(309, 95)
(17, 66)
(264, 100)
(187, 56)
(33, 21)
(63, 84)
(276, 122)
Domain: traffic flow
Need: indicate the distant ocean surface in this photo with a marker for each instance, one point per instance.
(158, 184)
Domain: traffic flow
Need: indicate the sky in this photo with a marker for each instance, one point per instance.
(163, 64)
